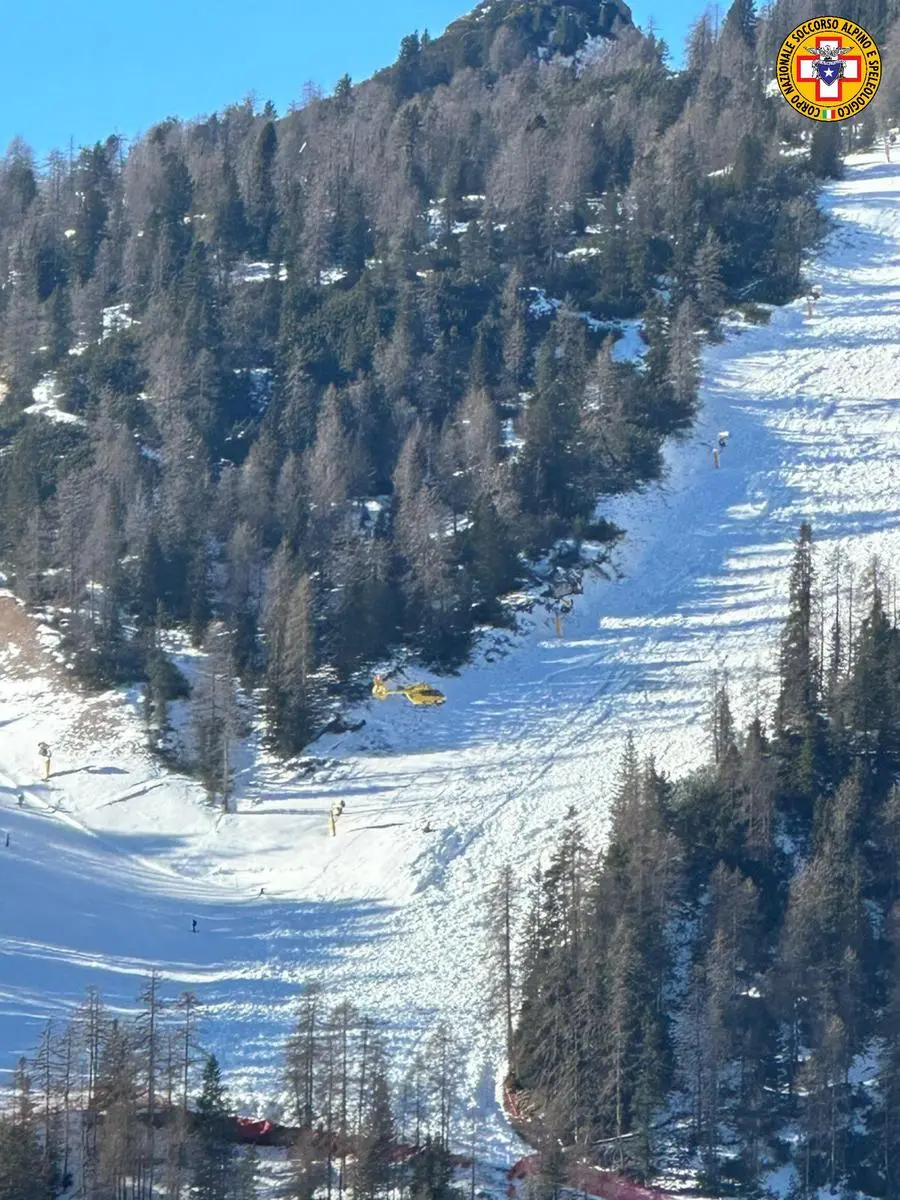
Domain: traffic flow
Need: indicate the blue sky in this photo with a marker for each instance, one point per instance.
(87, 70)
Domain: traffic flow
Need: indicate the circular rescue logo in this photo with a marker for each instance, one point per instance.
(828, 69)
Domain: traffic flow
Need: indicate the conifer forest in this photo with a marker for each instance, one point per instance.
(700, 987)
(318, 394)
(320, 405)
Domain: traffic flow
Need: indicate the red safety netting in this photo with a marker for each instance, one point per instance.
(249, 1128)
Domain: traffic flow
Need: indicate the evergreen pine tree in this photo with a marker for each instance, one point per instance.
(797, 719)
(710, 289)
(261, 204)
(374, 1160)
(212, 1152)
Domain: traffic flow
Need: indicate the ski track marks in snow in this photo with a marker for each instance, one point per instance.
(385, 913)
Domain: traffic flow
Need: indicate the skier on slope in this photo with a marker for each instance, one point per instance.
(194, 925)
(21, 798)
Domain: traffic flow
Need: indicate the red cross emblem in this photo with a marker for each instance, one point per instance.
(829, 93)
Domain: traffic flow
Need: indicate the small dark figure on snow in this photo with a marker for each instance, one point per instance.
(21, 798)
(427, 828)
(7, 839)
(194, 925)
(262, 891)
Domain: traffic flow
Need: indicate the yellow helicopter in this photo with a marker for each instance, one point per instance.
(416, 693)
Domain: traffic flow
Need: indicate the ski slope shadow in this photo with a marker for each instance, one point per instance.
(89, 907)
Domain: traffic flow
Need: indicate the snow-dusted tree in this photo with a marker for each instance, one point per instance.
(24, 1174)
(710, 289)
(515, 338)
(343, 1023)
(328, 459)
(212, 1154)
(148, 1044)
(292, 693)
(700, 42)
(797, 716)
(502, 957)
(301, 1058)
(214, 712)
(243, 596)
(187, 1005)
(684, 361)
(374, 1160)
(120, 1144)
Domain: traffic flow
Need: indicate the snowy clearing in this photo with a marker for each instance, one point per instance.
(46, 397)
(109, 862)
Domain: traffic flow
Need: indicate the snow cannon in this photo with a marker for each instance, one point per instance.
(415, 693)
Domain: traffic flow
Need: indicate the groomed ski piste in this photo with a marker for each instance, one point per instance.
(109, 862)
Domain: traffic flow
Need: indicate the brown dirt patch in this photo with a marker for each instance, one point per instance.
(22, 656)
(21, 653)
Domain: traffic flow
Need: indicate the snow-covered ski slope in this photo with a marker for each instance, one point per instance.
(109, 862)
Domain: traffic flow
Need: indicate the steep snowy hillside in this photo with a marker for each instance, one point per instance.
(109, 863)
